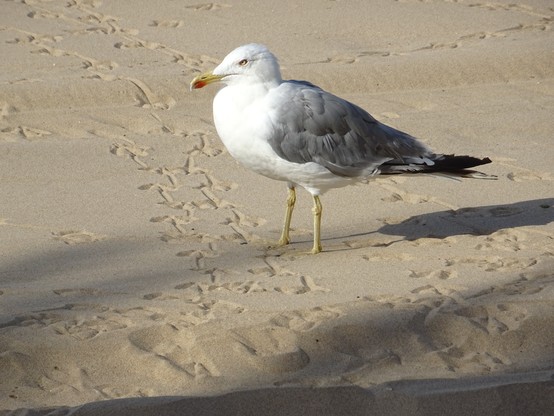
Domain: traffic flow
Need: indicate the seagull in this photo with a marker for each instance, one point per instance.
(295, 132)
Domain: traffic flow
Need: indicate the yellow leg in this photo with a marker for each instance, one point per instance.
(291, 200)
(317, 209)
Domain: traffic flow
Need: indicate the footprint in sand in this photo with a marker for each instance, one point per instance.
(24, 132)
(72, 237)
(177, 221)
(307, 285)
(176, 347)
(93, 319)
(494, 319)
(496, 263)
(521, 174)
(219, 185)
(128, 148)
(147, 98)
(239, 221)
(159, 296)
(506, 240)
(167, 23)
(208, 6)
(80, 292)
(306, 320)
(82, 329)
(203, 143)
(525, 176)
(434, 274)
(399, 195)
(387, 257)
(272, 349)
(199, 256)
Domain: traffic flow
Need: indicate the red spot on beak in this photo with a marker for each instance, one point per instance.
(198, 84)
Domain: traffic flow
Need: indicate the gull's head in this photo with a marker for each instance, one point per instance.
(252, 63)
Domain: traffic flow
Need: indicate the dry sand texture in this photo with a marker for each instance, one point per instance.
(134, 259)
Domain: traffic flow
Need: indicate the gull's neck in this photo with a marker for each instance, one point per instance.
(249, 90)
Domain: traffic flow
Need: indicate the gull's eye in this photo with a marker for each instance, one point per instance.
(243, 62)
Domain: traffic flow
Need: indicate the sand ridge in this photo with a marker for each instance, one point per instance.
(135, 257)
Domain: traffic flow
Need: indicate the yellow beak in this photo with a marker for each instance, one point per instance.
(202, 80)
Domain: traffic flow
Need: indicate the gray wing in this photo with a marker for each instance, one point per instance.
(316, 126)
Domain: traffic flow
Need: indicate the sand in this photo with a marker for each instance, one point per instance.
(135, 268)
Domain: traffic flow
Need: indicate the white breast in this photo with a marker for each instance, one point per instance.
(244, 126)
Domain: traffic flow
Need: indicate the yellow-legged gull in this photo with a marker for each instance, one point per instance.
(293, 131)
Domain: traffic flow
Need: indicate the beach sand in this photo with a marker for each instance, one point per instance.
(135, 268)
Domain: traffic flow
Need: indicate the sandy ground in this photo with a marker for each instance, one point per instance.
(134, 259)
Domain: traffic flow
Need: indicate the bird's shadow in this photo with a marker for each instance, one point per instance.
(483, 220)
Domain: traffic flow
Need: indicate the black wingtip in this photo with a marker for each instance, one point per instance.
(453, 163)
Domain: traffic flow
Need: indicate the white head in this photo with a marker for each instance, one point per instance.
(252, 63)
